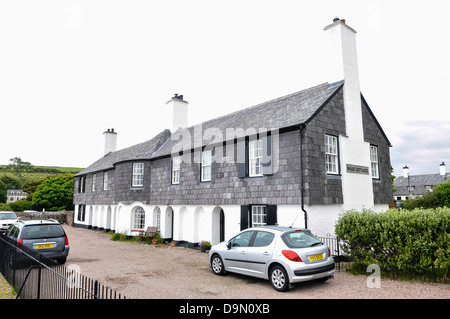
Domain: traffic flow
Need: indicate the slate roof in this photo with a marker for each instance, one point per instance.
(419, 182)
(142, 151)
(293, 109)
(286, 111)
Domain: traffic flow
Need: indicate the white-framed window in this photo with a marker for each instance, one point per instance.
(105, 181)
(176, 164)
(259, 215)
(138, 218)
(138, 175)
(331, 154)
(255, 156)
(158, 219)
(374, 161)
(94, 181)
(206, 166)
(82, 184)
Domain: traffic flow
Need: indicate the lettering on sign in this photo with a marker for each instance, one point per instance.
(356, 169)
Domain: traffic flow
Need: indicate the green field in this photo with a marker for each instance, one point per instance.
(39, 172)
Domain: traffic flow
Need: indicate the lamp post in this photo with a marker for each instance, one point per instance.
(406, 175)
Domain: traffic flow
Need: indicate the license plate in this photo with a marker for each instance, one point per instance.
(43, 246)
(316, 257)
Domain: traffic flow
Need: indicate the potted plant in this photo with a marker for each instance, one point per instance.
(156, 239)
(204, 245)
(173, 243)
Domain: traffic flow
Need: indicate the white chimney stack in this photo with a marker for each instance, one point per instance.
(405, 171)
(341, 63)
(442, 169)
(178, 111)
(110, 140)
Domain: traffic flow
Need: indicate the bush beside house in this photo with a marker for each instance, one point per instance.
(412, 241)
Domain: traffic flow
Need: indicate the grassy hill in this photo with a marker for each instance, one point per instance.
(39, 172)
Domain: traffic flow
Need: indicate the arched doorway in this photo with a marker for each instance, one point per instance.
(218, 225)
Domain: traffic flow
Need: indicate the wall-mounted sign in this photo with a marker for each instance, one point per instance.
(356, 169)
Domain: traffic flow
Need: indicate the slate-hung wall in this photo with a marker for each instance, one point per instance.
(226, 187)
(321, 188)
(373, 134)
(99, 196)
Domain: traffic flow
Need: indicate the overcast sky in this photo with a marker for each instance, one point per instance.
(69, 70)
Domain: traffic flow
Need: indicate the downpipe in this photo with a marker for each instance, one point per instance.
(305, 213)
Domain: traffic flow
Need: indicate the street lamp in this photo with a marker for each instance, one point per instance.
(406, 175)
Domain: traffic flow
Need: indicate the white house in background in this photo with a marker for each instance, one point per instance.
(299, 160)
(13, 195)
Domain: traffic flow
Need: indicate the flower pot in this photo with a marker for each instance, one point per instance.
(204, 248)
(173, 244)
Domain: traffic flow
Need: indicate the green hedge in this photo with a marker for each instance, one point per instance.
(398, 240)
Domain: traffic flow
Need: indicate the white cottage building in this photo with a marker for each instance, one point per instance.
(299, 159)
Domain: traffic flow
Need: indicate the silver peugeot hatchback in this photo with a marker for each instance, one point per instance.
(283, 255)
(46, 237)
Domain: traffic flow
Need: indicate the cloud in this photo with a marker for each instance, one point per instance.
(422, 145)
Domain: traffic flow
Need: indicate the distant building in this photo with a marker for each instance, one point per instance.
(412, 186)
(13, 195)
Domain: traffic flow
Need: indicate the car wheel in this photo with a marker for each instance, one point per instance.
(61, 261)
(279, 278)
(217, 265)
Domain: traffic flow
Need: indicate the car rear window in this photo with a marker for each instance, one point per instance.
(300, 239)
(8, 216)
(42, 231)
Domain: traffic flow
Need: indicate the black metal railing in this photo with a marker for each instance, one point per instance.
(341, 260)
(33, 276)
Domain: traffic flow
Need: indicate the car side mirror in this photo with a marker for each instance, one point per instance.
(229, 245)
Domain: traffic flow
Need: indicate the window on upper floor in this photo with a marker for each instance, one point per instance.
(138, 175)
(255, 156)
(374, 161)
(82, 184)
(94, 181)
(331, 154)
(105, 181)
(206, 166)
(176, 164)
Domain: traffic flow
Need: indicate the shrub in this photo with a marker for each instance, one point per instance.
(440, 197)
(21, 205)
(398, 240)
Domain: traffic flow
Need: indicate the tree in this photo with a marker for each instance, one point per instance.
(16, 164)
(11, 181)
(3, 193)
(31, 186)
(55, 193)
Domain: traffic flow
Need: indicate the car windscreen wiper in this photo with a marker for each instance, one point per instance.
(315, 244)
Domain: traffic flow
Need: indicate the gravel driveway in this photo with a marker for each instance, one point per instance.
(143, 271)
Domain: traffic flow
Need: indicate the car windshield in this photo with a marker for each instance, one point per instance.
(300, 239)
(7, 216)
(42, 231)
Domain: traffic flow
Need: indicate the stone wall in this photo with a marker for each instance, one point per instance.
(63, 217)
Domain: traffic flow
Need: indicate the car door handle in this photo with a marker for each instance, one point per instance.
(243, 252)
(266, 253)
